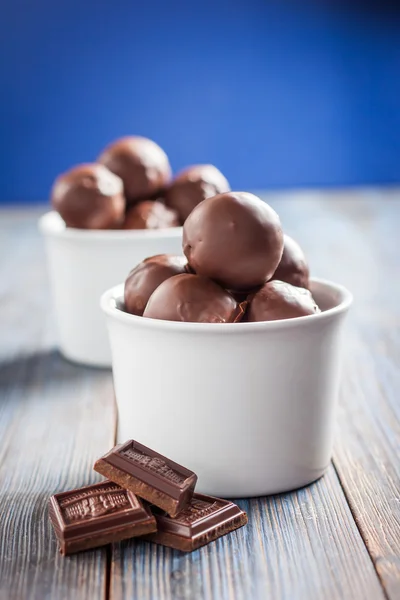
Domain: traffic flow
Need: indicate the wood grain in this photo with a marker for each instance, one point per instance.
(353, 238)
(296, 546)
(55, 419)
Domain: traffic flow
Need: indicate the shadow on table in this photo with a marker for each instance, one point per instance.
(49, 366)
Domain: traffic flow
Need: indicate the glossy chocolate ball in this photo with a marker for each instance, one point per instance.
(235, 239)
(142, 165)
(193, 299)
(89, 196)
(147, 276)
(193, 185)
(150, 214)
(279, 300)
(293, 267)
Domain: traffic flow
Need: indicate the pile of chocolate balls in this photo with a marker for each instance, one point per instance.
(130, 186)
(238, 266)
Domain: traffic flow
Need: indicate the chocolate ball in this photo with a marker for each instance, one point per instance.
(147, 276)
(193, 299)
(89, 197)
(150, 214)
(235, 239)
(193, 185)
(142, 165)
(279, 300)
(293, 267)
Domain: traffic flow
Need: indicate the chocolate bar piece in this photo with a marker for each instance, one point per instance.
(150, 475)
(203, 521)
(96, 515)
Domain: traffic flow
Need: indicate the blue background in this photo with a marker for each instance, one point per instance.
(276, 94)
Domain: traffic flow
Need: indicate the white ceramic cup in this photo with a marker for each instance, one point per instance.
(82, 264)
(250, 407)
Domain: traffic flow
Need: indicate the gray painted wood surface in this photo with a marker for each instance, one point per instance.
(338, 538)
(354, 239)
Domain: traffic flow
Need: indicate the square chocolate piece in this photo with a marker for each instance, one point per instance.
(203, 521)
(97, 514)
(150, 475)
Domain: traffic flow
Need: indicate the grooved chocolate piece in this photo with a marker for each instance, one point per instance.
(150, 475)
(203, 521)
(97, 514)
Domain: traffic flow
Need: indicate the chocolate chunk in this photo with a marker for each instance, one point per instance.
(147, 276)
(193, 185)
(235, 239)
(96, 515)
(193, 299)
(293, 267)
(150, 214)
(203, 521)
(89, 197)
(279, 300)
(150, 475)
(142, 165)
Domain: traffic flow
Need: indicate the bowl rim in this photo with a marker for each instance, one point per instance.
(52, 224)
(109, 307)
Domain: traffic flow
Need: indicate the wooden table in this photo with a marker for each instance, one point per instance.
(338, 538)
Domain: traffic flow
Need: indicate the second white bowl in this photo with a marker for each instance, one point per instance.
(82, 264)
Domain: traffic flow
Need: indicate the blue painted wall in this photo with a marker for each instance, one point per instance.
(277, 94)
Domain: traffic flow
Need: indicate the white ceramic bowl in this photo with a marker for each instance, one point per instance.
(248, 406)
(82, 264)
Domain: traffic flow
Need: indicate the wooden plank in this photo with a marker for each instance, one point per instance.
(24, 295)
(299, 545)
(55, 419)
(367, 454)
(354, 238)
(62, 424)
